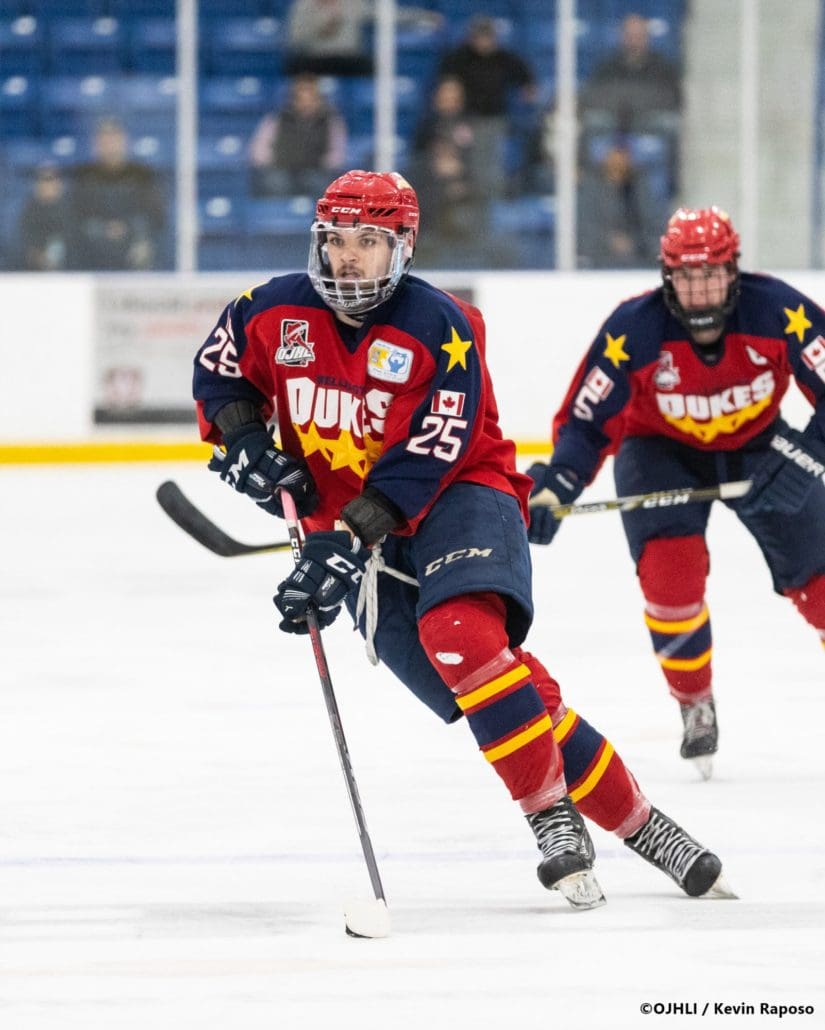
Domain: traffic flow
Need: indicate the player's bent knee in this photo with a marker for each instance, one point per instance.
(673, 571)
(465, 636)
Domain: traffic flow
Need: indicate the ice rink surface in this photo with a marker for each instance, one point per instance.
(176, 845)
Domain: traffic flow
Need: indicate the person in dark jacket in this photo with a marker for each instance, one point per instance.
(295, 149)
(492, 76)
(118, 205)
(44, 231)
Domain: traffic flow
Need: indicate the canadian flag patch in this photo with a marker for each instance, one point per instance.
(448, 402)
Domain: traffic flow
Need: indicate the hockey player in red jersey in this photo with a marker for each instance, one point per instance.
(684, 385)
(415, 513)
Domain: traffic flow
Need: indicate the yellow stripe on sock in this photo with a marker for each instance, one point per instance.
(561, 730)
(686, 664)
(520, 740)
(595, 776)
(685, 626)
(475, 697)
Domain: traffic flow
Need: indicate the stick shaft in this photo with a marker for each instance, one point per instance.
(655, 499)
(293, 528)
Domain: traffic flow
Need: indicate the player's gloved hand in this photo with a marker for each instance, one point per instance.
(331, 565)
(793, 467)
(253, 465)
(557, 485)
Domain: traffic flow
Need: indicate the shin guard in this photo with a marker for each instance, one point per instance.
(672, 575)
(598, 781)
(466, 641)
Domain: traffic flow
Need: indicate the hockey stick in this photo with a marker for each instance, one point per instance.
(192, 521)
(362, 919)
(656, 499)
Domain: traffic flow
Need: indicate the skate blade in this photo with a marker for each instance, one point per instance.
(703, 765)
(720, 890)
(581, 890)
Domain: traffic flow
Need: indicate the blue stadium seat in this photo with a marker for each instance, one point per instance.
(24, 154)
(408, 102)
(21, 46)
(221, 241)
(360, 151)
(19, 112)
(272, 216)
(132, 9)
(72, 103)
(222, 165)
(148, 103)
(234, 8)
(86, 46)
(152, 45)
(48, 9)
(234, 105)
(241, 46)
(154, 149)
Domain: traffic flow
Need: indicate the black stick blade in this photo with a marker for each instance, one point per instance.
(192, 521)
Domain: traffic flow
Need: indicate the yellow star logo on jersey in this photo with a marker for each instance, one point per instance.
(345, 453)
(797, 322)
(311, 440)
(614, 351)
(457, 349)
(248, 293)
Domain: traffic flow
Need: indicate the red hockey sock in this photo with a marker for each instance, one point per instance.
(810, 602)
(466, 641)
(598, 781)
(672, 575)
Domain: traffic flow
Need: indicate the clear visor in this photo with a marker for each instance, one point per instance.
(356, 268)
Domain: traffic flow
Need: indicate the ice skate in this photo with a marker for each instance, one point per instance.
(701, 737)
(695, 869)
(568, 854)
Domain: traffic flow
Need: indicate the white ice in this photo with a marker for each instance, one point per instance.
(176, 845)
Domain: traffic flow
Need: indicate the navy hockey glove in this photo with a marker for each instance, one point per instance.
(253, 465)
(793, 467)
(331, 566)
(564, 486)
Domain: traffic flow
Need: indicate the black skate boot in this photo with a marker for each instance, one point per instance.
(568, 854)
(695, 869)
(701, 737)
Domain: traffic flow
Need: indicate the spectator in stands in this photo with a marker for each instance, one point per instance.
(617, 218)
(300, 147)
(118, 206)
(452, 206)
(44, 231)
(492, 76)
(327, 37)
(634, 89)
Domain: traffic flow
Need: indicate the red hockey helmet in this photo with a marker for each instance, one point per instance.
(698, 238)
(357, 201)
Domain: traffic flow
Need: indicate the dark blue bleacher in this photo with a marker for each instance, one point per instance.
(152, 45)
(241, 79)
(21, 45)
(222, 165)
(86, 46)
(234, 104)
(19, 106)
(241, 46)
